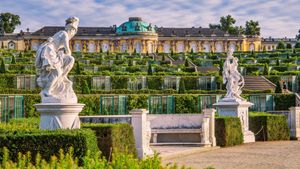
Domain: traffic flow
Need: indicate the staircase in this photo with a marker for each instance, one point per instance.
(258, 83)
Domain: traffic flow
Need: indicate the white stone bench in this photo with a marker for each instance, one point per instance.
(184, 127)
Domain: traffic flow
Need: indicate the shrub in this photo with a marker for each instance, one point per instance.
(228, 131)
(284, 101)
(113, 138)
(269, 127)
(48, 143)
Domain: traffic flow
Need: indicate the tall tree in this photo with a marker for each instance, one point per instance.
(252, 28)
(227, 25)
(297, 45)
(280, 45)
(9, 21)
(289, 46)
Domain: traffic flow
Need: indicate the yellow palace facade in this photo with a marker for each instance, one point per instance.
(136, 35)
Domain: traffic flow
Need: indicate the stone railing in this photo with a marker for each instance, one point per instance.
(144, 125)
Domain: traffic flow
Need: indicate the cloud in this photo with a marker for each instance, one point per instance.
(278, 18)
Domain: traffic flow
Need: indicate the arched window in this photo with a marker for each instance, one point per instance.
(166, 48)
(105, 47)
(194, 47)
(180, 47)
(34, 46)
(77, 47)
(138, 47)
(11, 45)
(124, 47)
(219, 47)
(206, 47)
(91, 47)
(251, 47)
(232, 46)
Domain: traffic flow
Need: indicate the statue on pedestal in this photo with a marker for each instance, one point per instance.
(232, 78)
(54, 62)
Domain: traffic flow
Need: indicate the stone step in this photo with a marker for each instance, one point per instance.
(258, 83)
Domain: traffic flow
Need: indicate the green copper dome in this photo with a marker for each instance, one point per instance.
(135, 25)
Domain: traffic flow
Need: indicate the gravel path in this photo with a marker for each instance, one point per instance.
(259, 155)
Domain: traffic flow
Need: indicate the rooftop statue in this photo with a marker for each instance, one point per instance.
(54, 62)
(232, 78)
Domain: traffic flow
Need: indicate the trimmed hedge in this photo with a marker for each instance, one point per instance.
(269, 127)
(228, 131)
(113, 138)
(284, 101)
(48, 143)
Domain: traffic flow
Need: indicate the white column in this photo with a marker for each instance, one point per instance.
(142, 132)
(294, 122)
(210, 113)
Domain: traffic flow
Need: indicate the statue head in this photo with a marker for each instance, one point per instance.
(72, 25)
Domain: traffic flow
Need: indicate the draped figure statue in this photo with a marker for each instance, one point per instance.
(54, 62)
(232, 78)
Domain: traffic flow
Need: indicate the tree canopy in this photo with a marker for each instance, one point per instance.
(227, 24)
(281, 45)
(9, 21)
(252, 28)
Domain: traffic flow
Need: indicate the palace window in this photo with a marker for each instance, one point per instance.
(124, 47)
(219, 47)
(251, 47)
(11, 45)
(91, 47)
(180, 48)
(105, 47)
(150, 47)
(232, 46)
(34, 46)
(77, 47)
(166, 48)
(206, 47)
(138, 47)
(194, 47)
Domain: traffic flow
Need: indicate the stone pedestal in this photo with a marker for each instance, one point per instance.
(237, 108)
(294, 122)
(142, 132)
(59, 115)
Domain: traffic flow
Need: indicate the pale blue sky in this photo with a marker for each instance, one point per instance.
(277, 18)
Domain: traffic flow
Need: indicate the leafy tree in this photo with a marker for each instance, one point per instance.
(134, 51)
(2, 45)
(172, 53)
(181, 87)
(289, 46)
(101, 51)
(13, 60)
(2, 67)
(192, 51)
(281, 45)
(9, 21)
(277, 62)
(157, 51)
(163, 58)
(266, 69)
(252, 28)
(150, 69)
(278, 88)
(297, 45)
(186, 62)
(227, 25)
(20, 55)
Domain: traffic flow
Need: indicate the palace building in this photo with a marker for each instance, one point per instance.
(139, 36)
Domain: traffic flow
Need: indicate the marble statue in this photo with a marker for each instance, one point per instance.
(232, 78)
(54, 62)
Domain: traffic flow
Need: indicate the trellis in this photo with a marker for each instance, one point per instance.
(161, 104)
(11, 107)
(113, 105)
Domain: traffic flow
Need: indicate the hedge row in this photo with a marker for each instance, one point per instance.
(113, 138)
(22, 135)
(228, 131)
(269, 127)
(48, 143)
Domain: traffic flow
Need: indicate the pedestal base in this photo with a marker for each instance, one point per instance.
(237, 108)
(59, 115)
(249, 137)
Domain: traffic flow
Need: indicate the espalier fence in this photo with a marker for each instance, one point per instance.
(11, 107)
